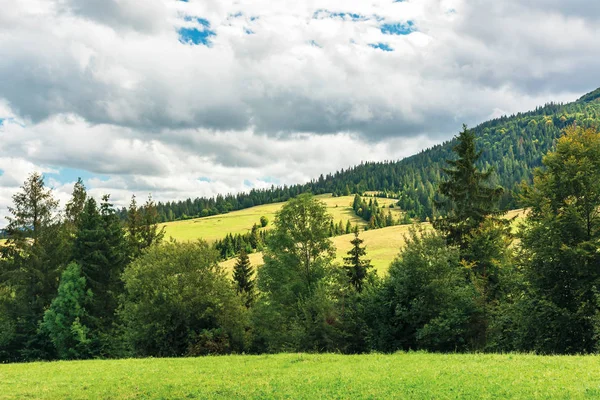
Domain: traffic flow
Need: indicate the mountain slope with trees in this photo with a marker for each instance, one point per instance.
(512, 146)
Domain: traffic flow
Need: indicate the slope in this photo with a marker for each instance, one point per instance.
(512, 145)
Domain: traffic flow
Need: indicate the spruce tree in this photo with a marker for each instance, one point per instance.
(150, 233)
(243, 279)
(74, 207)
(101, 250)
(468, 197)
(356, 267)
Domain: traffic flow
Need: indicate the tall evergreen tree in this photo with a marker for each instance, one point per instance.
(468, 196)
(74, 207)
(33, 211)
(243, 278)
(142, 226)
(101, 250)
(356, 267)
(32, 263)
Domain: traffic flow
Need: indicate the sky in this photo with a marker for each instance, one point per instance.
(193, 98)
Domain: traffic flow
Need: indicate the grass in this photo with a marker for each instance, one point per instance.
(217, 226)
(304, 376)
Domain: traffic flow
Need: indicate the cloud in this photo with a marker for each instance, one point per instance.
(155, 97)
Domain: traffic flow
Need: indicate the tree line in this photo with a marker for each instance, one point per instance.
(84, 285)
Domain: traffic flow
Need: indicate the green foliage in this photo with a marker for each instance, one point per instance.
(178, 301)
(65, 320)
(264, 221)
(356, 267)
(30, 267)
(468, 198)
(426, 302)
(102, 252)
(297, 259)
(560, 243)
(243, 278)
(142, 226)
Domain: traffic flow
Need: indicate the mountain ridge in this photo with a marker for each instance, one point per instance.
(512, 145)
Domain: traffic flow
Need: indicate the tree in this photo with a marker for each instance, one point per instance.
(74, 207)
(178, 301)
(468, 197)
(560, 244)
(31, 264)
(65, 320)
(297, 261)
(142, 226)
(150, 232)
(264, 221)
(34, 210)
(425, 302)
(356, 267)
(243, 278)
(133, 225)
(101, 250)
(298, 249)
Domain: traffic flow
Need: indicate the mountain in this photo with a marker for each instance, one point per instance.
(512, 145)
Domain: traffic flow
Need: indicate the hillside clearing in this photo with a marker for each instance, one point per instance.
(217, 226)
(305, 376)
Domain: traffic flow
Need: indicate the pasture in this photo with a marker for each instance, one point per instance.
(308, 376)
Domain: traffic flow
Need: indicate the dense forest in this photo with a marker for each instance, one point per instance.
(80, 283)
(512, 145)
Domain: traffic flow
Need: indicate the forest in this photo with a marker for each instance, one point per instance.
(513, 146)
(81, 282)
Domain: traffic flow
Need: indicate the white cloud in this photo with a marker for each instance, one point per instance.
(107, 87)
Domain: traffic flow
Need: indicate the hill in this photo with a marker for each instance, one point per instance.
(241, 221)
(306, 376)
(512, 145)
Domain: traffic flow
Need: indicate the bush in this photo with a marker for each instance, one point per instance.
(264, 221)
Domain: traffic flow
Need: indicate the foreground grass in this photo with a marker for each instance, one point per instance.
(302, 376)
(217, 226)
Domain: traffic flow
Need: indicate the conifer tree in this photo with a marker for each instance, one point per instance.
(74, 207)
(243, 277)
(101, 250)
(469, 199)
(356, 267)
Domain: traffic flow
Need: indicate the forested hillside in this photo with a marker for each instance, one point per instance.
(512, 145)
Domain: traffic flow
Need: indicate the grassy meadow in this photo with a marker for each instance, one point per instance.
(217, 226)
(307, 376)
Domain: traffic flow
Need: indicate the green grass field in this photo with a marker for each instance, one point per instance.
(304, 376)
(217, 226)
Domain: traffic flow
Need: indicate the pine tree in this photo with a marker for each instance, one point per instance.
(33, 211)
(74, 207)
(243, 279)
(356, 267)
(101, 250)
(31, 264)
(150, 233)
(133, 225)
(469, 199)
